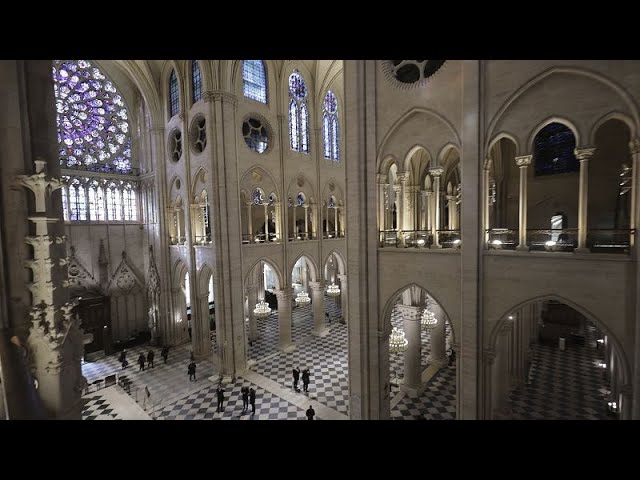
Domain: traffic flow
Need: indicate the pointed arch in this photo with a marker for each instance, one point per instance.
(313, 266)
(392, 300)
(172, 184)
(493, 337)
(199, 177)
(306, 187)
(179, 270)
(279, 278)
(555, 119)
(612, 116)
(340, 259)
(204, 274)
(171, 67)
(496, 139)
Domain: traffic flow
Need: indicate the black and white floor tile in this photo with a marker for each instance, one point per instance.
(96, 407)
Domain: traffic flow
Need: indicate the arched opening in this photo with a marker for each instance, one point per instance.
(422, 366)
(301, 212)
(302, 274)
(550, 361)
(261, 311)
(609, 191)
(502, 196)
(450, 201)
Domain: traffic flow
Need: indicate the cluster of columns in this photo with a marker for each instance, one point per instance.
(417, 209)
(411, 316)
(276, 220)
(583, 155)
(338, 224)
(294, 232)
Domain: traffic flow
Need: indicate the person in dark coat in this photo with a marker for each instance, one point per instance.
(306, 375)
(252, 400)
(310, 413)
(150, 356)
(220, 393)
(327, 317)
(245, 398)
(141, 362)
(191, 369)
(123, 358)
(296, 378)
(165, 353)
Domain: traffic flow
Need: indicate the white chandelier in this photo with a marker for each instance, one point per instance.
(397, 342)
(429, 319)
(303, 298)
(262, 310)
(333, 290)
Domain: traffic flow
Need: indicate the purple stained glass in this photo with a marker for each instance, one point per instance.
(330, 102)
(297, 87)
(93, 133)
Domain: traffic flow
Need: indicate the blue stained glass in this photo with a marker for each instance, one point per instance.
(297, 87)
(298, 113)
(326, 135)
(77, 130)
(331, 202)
(196, 81)
(254, 80)
(304, 128)
(293, 126)
(258, 197)
(300, 199)
(335, 138)
(174, 100)
(554, 150)
(330, 127)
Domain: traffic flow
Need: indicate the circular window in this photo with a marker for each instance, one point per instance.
(255, 134)
(198, 134)
(411, 73)
(175, 145)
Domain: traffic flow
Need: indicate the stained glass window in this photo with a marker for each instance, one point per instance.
(196, 81)
(205, 215)
(331, 202)
(96, 201)
(92, 119)
(254, 80)
(553, 153)
(300, 199)
(255, 135)
(330, 127)
(298, 113)
(65, 204)
(174, 97)
(258, 196)
(77, 201)
(114, 202)
(129, 202)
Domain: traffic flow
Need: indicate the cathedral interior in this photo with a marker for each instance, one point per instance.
(319, 239)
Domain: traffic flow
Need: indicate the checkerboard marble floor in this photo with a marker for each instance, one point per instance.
(96, 407)
(563, 385)
(437, 402)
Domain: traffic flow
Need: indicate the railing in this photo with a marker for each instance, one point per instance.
(419, 238)
(600, 240)
(502, 238)
(552, 239)
(177, 240)
(449, 238)
(203, 240)
(302, 236)
(332, 234)
(259, 238)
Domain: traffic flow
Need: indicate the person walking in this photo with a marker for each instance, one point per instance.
(327, 317)
(245, 398)
(252, 400)
(123, 358)
(150, 356)
(141, 362)
(306, 375)
(310, 413)
(192, 371)
(220, 394)
(165, 353)
(296, 378)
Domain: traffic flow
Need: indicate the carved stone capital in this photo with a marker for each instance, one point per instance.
(524, 161)
(584, 154)
(410, 312)
(436, 171)
(382, 179)
(284, 295)
(316, 286)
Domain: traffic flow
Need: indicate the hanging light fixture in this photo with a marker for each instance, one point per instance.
(429, 319)
(397, 342)
(333, 290)
(262, 310)
(303, 298)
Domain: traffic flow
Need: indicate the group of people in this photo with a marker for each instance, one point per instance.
(248, 397)
(306, 377)
(142, 359)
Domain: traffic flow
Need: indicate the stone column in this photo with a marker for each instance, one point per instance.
(201, 339)
(249, 222)
(266, 222)
(326, 221)
(423, 210)
(295, 229)
(523, 162)
(335, 222)
(344, 305)
(317, 301)
(401, 194)
(438, 356)
(285, 297)
(453, 212)
(626, 401)
(583, 155)
(412, 369)
(306, 222)
(383, 201)
(429, 225)
(278, 217)
(634, 148)
(635, 223)
(252, 295)
(485, 206)
(435, 173)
